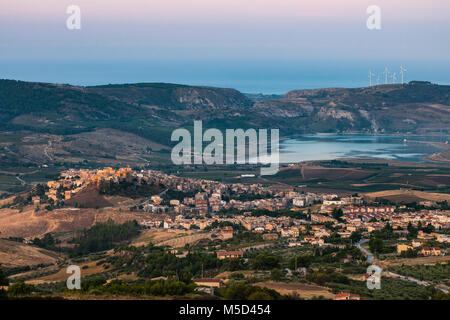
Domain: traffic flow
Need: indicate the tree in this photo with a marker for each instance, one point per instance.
(186, 276)
(388, 228)
(412, 231)
(60, 193)
(337, 213)
(89, 284)
(20, 288)
(259, 295)
(410, 253)
(102, 236)
(240, 291)
(301, 261)
(234, 264)
(264, 261)
(439, 295)
(47, 242)
(276, 275)
(39, 190)
(429, 228)
(3, 279)
(355, 236)
(376, 245)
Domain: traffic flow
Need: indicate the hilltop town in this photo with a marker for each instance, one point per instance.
(211, 201)
(211, 197)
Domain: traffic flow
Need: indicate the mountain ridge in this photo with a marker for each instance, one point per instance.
(54, 125)
(416, 107)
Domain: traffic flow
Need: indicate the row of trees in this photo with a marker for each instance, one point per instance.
(240, 291)
(18, 288)
(47, 242)
(151, 261)
(104, 236)
(235, 291)
(154, 288)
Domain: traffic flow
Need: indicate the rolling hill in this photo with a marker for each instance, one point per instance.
(44, 123)
(418, 107)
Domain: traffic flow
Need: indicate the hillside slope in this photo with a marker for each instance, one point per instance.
(44, 123)
(418, 107)
(174, 96)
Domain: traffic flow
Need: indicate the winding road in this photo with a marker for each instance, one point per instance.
(49, 145)
(366, 252)
(370, 258)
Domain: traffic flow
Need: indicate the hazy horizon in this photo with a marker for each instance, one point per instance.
(268, 77)
(254, 45)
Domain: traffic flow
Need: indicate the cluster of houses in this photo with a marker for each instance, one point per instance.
(208, 197)
(197, 211)
(420, 242)
(73, 181)
(368, 219)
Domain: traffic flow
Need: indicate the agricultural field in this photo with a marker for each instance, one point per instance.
(303, 290)
(437, 273)
(374, 176)
(15, 255)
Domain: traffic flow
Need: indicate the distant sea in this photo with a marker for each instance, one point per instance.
(247, 76)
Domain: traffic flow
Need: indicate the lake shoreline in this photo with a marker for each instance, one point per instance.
(317, 147)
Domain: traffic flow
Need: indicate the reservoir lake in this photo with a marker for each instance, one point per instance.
(329, 147)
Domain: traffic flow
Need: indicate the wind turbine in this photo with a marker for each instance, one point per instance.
(402, 72)
(370, 77)
(386, 74)
(394, 77)
(378, 80)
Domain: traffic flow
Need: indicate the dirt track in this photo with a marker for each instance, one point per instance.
(306, 291)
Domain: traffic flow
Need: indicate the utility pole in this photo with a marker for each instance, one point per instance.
(386, 74)
(370, 77)
(402, 72)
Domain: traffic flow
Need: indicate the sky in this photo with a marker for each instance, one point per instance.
(195, 37)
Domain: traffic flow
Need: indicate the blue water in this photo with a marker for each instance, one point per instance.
(247, 76)
(329, 147)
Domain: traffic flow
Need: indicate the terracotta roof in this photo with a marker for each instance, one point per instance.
(230, 252)
(207, 280)
(346, 294)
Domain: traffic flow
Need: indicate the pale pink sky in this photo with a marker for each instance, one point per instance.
(226, 28)
(176, 9)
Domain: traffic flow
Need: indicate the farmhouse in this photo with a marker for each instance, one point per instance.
(347, 296)
(431, 251)
(403, 248)
(229, 254)
(208, 282)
